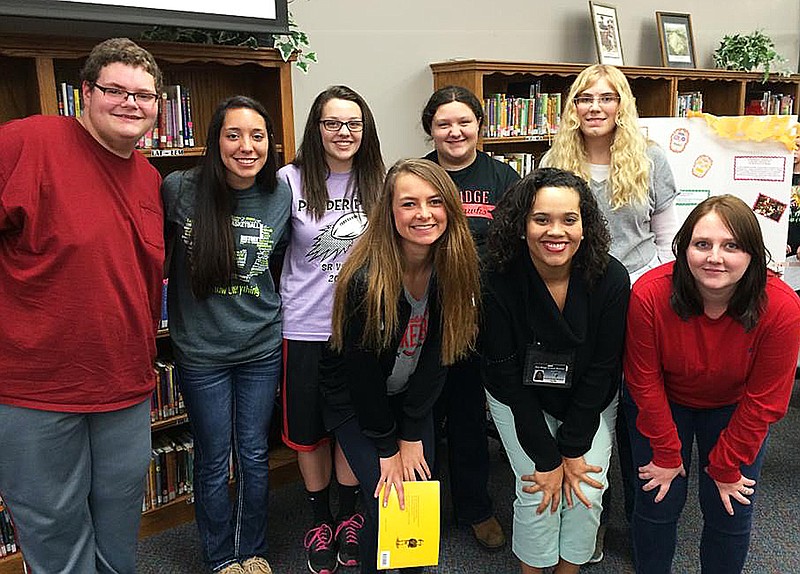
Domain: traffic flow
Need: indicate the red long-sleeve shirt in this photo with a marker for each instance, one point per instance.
(708, 363)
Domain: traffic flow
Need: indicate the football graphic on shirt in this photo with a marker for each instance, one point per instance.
(337, 238)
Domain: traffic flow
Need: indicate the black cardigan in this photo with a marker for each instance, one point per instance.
(518, 310)
(353, 382)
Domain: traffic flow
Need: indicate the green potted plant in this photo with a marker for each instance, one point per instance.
(748, 52)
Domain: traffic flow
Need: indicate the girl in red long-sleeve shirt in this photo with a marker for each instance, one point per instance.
(712, 345)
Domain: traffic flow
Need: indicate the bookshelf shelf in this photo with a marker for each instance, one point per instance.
(11, 564)
(177, 420)
(31, 68)
(515, 139)
(725, 92)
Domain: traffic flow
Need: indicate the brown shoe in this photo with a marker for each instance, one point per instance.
(489, 534)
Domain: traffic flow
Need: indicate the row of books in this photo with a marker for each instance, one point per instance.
(174, 127)
(771, 105)
(689, 101)
(166, 401)
(8, 543)
(70, 100)
(523, 163)
(509, 116)
(171, 470)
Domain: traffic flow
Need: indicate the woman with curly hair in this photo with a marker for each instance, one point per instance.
(404, 309)
(552, 335)
(599, 138)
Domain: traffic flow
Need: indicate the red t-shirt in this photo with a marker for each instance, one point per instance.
(81, 262)
(708, 363)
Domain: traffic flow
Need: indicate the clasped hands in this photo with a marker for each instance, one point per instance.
(661, 478)
(408, 463)
(566, 479)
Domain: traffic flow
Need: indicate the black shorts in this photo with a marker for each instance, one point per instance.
(302, 427)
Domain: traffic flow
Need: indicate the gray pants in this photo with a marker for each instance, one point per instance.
(73, 483)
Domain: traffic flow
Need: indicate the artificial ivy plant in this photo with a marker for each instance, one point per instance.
(748, 52)
(293, 42)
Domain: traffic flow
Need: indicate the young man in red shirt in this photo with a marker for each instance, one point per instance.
(81, 257)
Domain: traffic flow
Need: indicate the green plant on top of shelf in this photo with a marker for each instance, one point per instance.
(748, 52)
(295, 41)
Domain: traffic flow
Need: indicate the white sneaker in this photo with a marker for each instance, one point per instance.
(598, 545)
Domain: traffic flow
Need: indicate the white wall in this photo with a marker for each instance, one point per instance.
(382, 49)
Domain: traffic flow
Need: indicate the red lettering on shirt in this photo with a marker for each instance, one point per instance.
(478, 210)
(415, 334)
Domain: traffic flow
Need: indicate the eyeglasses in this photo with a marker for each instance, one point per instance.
(336, 125)
(603, 100)
(117, 95)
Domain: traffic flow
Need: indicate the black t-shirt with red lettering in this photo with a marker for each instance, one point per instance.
(482, 184)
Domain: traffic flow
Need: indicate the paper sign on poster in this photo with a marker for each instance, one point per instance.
(706, 162)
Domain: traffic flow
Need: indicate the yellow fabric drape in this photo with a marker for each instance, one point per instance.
(753, 128)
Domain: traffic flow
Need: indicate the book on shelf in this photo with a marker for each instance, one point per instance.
(410, 537)
(689, 101)
(164, 322)
(69, 99)
(166, 400)
(174, 127)
(768, 103)
(8, 543)
(522, 162)
(507, 115)
(169, 475)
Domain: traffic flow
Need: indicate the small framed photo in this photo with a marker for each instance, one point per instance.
(606, 33)
(677, 40)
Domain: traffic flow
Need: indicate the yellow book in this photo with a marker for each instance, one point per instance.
(410, 537)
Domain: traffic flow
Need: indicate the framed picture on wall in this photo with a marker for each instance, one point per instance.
(606, 33)
(677, 40)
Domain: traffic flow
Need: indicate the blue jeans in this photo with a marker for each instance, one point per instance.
(725, 539)
(74, 483)
(230, 409)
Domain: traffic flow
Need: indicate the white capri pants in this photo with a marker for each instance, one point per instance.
(539, 540)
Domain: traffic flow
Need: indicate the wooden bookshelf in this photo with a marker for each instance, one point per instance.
(31, 67)
(725, 93)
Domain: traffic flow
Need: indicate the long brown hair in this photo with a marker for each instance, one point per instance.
(749, 297)
(455, 265)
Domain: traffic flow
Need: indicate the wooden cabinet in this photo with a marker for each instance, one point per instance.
(725, 93)
(31, 68)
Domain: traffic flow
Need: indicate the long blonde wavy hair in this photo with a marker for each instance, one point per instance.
(378, 251)
(629, 172)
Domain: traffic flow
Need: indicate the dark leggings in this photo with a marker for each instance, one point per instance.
(363, 459)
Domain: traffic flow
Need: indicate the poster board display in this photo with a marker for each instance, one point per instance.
(748, 156)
